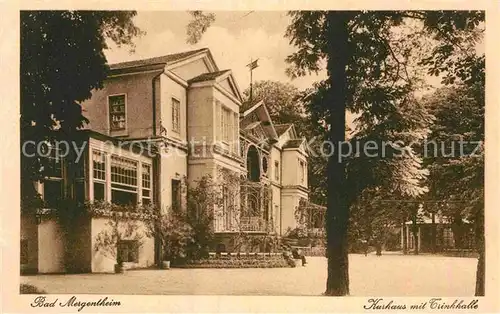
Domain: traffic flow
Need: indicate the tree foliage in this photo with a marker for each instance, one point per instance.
(198, 25)
(282, 100)
(368, 74)
(62, 60)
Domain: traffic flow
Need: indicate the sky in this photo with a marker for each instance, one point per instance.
(234, 39)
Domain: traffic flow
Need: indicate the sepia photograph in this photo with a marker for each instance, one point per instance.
(252, 153)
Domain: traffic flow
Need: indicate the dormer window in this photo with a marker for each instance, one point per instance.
(117, 112)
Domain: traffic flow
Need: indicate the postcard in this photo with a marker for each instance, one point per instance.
(252, 157)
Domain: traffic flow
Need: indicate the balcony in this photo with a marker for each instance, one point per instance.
(254, 224)
(246, 224)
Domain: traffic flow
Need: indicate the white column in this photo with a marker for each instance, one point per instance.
(90, 159)
(402, 237)
(236, 146)
(217, 120)
(108, 177)
(139, 182)
(419, 236)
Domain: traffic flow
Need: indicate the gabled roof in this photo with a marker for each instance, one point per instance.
(282, 128)
(260, 110)
(208, 76)
(247, 105)
(252, 107)
(220, 77)
(294, 143)
(167, 59)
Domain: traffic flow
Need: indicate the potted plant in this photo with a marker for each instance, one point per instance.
(165, 264)
(119, 265)
(173, 234)
(177, 237)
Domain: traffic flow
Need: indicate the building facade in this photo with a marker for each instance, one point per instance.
(188, 114)
(437, 236)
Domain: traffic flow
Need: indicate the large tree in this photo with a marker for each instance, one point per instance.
(62, 60)
(367, 67)
(282, 100)
(362, 58)
(456, 161)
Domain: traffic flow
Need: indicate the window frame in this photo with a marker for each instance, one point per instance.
(99, 180)
(112, 183)
(53, 179)
(125, 187)
(176, 194)
(110, 113)
(277, 171)
(132, 248)
(143, 180)
(176, 127)
(225, 123)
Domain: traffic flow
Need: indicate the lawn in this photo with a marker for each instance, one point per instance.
(387, 275)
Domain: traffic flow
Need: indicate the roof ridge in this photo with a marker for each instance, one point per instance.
(208, 76)
(140, 62)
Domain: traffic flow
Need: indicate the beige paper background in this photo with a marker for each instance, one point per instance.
(12, 302)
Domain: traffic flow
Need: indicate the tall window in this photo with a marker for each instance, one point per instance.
(123, 181)
(176, 194)
(146, 184)
(277, 170)
(99, 175)
(176, 115)
(53, 184)
(302, 171)
(79, 185)
(225, 124)
(117, 114)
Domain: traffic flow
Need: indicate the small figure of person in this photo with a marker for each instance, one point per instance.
(378, 247)
(288, 257)
(365, 246)
(298, 255)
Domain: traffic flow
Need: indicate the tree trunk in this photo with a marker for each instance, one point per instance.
(433, 233)
(337, 216)
(480, 244)
(378, 248)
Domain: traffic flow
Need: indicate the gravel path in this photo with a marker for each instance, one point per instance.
(388, 275)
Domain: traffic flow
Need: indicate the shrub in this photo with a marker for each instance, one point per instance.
(30, 289)
(177, 236)
(122, 225)
(186, 233)
(201, 201)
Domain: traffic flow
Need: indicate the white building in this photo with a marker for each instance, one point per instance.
(190, 111)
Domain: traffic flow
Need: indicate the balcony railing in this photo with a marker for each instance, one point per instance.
(253, 224)
(245, 224)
